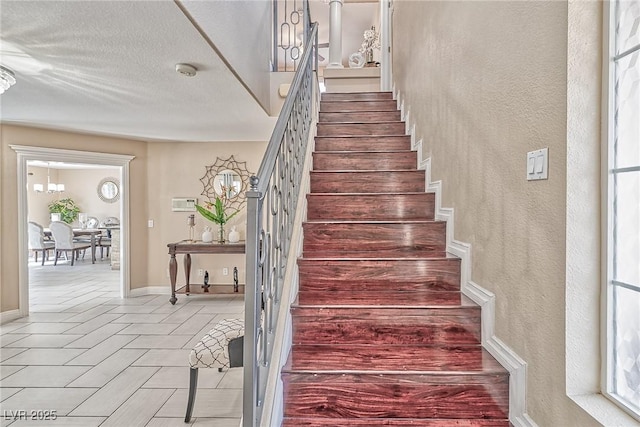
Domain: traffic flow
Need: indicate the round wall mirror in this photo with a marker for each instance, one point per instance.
(227, 184)
(109, 190)
(228, 180)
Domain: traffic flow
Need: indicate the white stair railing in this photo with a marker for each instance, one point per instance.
(271, 210)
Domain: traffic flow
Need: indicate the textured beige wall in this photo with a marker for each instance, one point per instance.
(81, 185)
(486, 82)
(175, 170)
(53, 139)
(160, 171)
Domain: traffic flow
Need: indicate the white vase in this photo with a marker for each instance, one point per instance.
(207, 235)
(234, 235)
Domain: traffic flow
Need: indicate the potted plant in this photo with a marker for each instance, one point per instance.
(215, 212)
(67, 209)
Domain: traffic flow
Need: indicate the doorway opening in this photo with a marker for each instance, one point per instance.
(117, 164)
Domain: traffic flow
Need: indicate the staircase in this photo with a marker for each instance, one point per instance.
(381, 332)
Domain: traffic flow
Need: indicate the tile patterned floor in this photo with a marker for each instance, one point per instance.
(99, 360)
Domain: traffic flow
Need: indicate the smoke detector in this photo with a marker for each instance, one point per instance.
(186, 70)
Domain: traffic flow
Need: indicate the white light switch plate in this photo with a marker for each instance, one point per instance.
(538, 164)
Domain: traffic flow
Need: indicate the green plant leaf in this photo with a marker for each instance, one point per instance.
(67, 209)
(208, 214)
(216, 212)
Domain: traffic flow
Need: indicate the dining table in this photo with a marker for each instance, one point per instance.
(78, 232)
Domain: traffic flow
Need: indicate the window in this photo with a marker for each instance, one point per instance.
(623, 207)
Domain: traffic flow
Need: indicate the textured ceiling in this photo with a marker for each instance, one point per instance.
(108, 67)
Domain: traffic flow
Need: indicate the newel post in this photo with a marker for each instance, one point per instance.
(252, 307)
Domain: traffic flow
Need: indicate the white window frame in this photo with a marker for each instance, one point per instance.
(608, 156)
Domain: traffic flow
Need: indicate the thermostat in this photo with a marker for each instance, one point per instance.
(184, 204)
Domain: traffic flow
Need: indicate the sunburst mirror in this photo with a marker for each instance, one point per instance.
(227, 179)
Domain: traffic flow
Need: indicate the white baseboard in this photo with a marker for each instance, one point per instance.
(9, 316)
(150, 290)
(485, 299)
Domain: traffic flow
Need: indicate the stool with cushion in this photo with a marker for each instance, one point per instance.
(221, 347)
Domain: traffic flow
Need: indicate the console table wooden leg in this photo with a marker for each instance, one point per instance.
(187, 270)
(173, 273)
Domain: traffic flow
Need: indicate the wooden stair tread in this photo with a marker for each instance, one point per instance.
(381, 122)
(465, 308)
(390, 110)
(362, 142)
(359, 116)
(376, 221)
(402, 136)
(351, 96)
(414, 422)
(399, 253)
(404, 296)
(395, 193)
(371, 135)
(464, 301)
(435, 360)
(357, 137)
(435, 257)
(369, 286)
(363, 171)
(362, 152)
(396, 396)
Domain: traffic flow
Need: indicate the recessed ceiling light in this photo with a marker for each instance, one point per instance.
(186, 69)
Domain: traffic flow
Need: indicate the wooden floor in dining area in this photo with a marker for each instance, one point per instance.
(99, 360)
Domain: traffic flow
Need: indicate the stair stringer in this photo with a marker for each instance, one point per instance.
(508, 358)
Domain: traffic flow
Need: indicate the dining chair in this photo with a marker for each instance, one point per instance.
(63, 236)
(38, 243)
(111, 221)
(104, 242)
(92, 222)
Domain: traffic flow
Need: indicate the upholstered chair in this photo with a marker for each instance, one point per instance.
(63, 236)
(37, 242)
(104, 242)
(92, 222)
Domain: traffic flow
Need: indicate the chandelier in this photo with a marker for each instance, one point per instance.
(7, 79)
(51, 187)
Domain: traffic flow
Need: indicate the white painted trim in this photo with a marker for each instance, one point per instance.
(386, 32)
(9, 316)
(485, 299)
(150, 290)
(27, 153)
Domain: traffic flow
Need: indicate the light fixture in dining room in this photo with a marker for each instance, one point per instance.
(51, 187)
(7, 79)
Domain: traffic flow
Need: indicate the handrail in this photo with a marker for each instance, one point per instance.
(271, 208)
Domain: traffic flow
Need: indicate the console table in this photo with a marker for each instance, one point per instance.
(188, 247)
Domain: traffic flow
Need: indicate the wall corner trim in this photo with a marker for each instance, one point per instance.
(516, 366)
